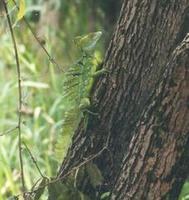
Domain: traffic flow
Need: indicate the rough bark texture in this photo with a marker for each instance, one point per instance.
(157, 159)
(143, 42)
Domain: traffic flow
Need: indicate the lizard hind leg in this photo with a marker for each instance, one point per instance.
(86, 118)
(90, 112)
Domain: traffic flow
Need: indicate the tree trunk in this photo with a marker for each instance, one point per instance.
(158, 155)
(141, 59)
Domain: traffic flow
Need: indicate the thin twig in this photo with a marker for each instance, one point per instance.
(33, 159)
(87, 160)
(59, 178)
(8, 131)
(51, 59)
(19, 94)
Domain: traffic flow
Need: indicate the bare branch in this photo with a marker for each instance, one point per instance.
(33, 159)
(51, 59)
(19, 94)
(8, 131)
(59, 178)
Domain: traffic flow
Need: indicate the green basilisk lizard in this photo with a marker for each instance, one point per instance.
(77, 84)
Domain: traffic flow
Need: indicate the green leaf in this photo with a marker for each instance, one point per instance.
(94, 174)
(13, 198)
(184, 192)
(105, 195)
(22, 9)
(34, 84)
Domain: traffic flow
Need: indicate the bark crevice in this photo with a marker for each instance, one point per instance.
(157, 153)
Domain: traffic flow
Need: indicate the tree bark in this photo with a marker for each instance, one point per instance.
(146, 35)
(158, 156)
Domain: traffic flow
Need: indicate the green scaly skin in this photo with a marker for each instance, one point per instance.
(77, 85)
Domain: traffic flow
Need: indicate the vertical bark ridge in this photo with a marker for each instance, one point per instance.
(158, 148)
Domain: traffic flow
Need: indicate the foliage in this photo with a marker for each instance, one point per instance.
(42, 116)
(22, 9)
(185, 192)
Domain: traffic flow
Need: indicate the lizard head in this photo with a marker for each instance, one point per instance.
(88, 42)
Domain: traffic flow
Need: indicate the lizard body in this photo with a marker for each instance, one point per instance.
(77, 84)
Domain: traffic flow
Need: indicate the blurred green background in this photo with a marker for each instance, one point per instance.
(56, 23)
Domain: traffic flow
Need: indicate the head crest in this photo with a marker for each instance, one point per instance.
(88, 42)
